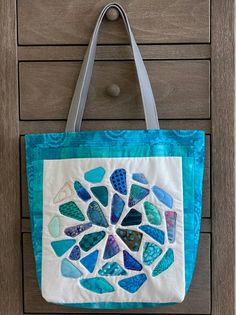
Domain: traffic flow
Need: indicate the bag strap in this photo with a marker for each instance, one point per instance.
(82, 86)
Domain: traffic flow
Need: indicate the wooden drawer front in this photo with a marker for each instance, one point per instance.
(206, 193)
(197, 301)
(71, 22)
(181, 89)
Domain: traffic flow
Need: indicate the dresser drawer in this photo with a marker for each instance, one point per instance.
(181, 89)
(58, 22)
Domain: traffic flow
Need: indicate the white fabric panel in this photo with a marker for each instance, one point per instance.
(165, 172)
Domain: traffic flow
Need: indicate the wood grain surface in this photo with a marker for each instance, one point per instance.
(51, 22)
(115, 52)
(43, 126)
(188, 47)
(181, 89)
(223, 157)
(10, 237)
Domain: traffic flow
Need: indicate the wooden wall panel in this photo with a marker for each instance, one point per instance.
(181, 88)
(223, 157)
(115, 52)
(51, 22)
(198, 300)
(10, 249)
(188, 47)
(42, 126)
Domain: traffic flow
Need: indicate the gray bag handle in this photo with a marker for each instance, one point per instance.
(82, 86)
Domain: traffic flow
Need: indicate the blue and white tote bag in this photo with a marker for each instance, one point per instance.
(115, 214)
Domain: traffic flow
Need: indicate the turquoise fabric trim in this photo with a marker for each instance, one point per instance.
(115, 305)
(189, 144)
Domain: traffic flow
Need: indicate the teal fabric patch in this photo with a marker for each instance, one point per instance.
(90, 240)
(101, 193)
(166, 261)
(150, 253)
(60, 247)
(54, 226)
(71, 210)
(137, 193)
(152, 213)
(187, 144)
(97, 285)
(69, 270)
(95, 175)
(133, 217)
(112, 269)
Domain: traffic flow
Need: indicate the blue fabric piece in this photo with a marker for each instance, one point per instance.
(112, 269)
(171, 225)
(75, 253)
(112, 248)
(69, 270)
(157, 234)
(139, 177)
(163, 196)
(130, 262)
(118, 181)
(89, 261)
(95, 214)
(117, 207)
(188, 144)
(73, 231)
(132, 284)
(60, 247)
(97, 285)
(95, 175)
(81, 191)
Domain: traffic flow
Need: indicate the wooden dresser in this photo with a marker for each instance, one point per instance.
(181, 42)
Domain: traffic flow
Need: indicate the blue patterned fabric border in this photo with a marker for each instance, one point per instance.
(188, 144)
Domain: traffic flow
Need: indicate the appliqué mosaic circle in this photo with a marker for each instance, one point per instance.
(123, 229)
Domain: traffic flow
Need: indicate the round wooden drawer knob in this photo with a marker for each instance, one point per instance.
(112, 14)
(113, 90)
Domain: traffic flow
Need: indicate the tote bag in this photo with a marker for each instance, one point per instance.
(115, 214)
